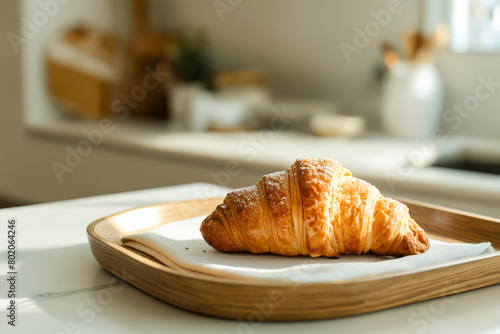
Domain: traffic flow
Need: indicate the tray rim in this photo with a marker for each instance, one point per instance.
(95, 237)
(91, 231)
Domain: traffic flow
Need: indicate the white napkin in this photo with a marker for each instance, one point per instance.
(180, 246)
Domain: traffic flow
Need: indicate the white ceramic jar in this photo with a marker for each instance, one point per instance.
(412, 100)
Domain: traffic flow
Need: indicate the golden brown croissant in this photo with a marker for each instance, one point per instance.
(315, 208)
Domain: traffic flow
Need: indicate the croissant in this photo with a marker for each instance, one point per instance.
(316, 208)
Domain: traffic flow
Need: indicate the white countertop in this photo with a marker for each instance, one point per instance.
(61, 286)
(375, 158)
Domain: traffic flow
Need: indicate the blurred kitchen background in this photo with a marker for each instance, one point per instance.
(105, 96)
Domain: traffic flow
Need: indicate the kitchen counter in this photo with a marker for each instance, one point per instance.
(62, 289)
(394, 165)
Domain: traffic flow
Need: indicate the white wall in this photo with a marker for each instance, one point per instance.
(298, 43)
(460, 73)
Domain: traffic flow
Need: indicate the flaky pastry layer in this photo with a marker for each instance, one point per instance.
(316, 208)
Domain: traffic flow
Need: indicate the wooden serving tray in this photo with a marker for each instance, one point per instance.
(295, 301)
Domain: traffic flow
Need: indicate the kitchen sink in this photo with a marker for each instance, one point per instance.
(469, 165)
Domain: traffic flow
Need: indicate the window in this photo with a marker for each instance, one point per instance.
(474, 24)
